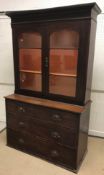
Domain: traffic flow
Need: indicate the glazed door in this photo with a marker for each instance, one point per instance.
(63, 59)
(28, 58)
(47, 60)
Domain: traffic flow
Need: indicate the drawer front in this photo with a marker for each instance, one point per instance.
(66, 119)
(47, 131)
(47, 150)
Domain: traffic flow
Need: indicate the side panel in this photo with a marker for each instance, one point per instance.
(90, 60)
(83, 134)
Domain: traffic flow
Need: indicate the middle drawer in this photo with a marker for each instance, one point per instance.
(45, 130)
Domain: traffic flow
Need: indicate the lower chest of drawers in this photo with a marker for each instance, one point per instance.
(42, 148)
(48, 133)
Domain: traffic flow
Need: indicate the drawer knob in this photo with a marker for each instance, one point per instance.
(21, 123)
(55, 135)
(21, 141)
(57, 117)
(54, 153)
(21, 109)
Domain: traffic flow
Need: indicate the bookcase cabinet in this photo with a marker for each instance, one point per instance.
(53, 60)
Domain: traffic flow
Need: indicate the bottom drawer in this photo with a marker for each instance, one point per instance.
(33, 145)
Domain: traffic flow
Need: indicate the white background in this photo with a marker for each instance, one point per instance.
(6, 57)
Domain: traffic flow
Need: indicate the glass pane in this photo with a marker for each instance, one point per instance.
(64, 39)
(63, 61)
(62, 85)
(30, 61)
(30, 40)
(30, 81)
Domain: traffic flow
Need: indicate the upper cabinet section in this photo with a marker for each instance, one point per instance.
(53, 52)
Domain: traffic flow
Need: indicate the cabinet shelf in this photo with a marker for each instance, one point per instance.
(70, 48)
(56, 74)
(30, 71)
(27, 48)
(65, 75)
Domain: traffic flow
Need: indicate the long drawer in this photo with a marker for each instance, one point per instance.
(64, 118)
(48, 131)
(34, 145)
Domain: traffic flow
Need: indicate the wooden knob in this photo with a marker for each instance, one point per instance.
(54, 153)
(55, 135)
(21, 123)
(21, 109)
(21, 141)
(57, 117)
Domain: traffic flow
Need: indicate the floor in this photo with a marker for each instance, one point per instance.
(2, 125)
(13, 162)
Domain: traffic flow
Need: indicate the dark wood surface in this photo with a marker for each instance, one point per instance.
(37, 123)
(47, 103)
(64, 118)
(80, 18)
(62, 133)
(81, 11)
(46, 131)
(90, 60)
(35, 146)
(59, 127)
(83, 28)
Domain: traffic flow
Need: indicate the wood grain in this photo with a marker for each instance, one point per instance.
(47, 103)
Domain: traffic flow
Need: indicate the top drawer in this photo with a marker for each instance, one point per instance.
(64, 118)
